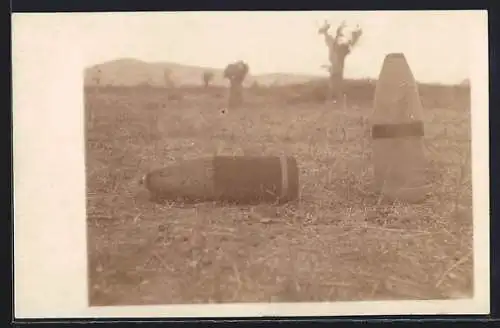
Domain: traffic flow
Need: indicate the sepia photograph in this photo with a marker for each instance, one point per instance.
(246, 158)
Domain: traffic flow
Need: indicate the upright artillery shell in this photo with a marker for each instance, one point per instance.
(236, 179)
(397, 131)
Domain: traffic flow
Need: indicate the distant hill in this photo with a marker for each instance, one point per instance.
(129, 72)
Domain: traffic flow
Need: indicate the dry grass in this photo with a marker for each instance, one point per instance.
(335, 244)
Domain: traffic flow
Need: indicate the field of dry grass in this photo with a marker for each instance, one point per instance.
(335, 244)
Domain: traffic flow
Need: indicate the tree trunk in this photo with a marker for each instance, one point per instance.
(335, 88)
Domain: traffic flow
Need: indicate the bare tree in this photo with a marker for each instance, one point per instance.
(207, 78)
(236, 73)
(339, 47)
(167, 77)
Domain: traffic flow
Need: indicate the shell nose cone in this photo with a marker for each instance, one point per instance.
(395, 55)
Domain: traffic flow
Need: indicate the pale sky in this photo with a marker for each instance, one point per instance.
(435, 43)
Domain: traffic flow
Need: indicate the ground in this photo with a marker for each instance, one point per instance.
(337, 243)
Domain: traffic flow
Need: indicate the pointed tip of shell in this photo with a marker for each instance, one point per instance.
(395, 55)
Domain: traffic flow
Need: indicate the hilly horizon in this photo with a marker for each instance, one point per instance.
(130, 72)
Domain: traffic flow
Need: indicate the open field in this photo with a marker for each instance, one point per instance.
(338, 243)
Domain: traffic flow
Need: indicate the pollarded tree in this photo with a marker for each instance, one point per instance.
(207, 78)
(236, 73)
(339, 47)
